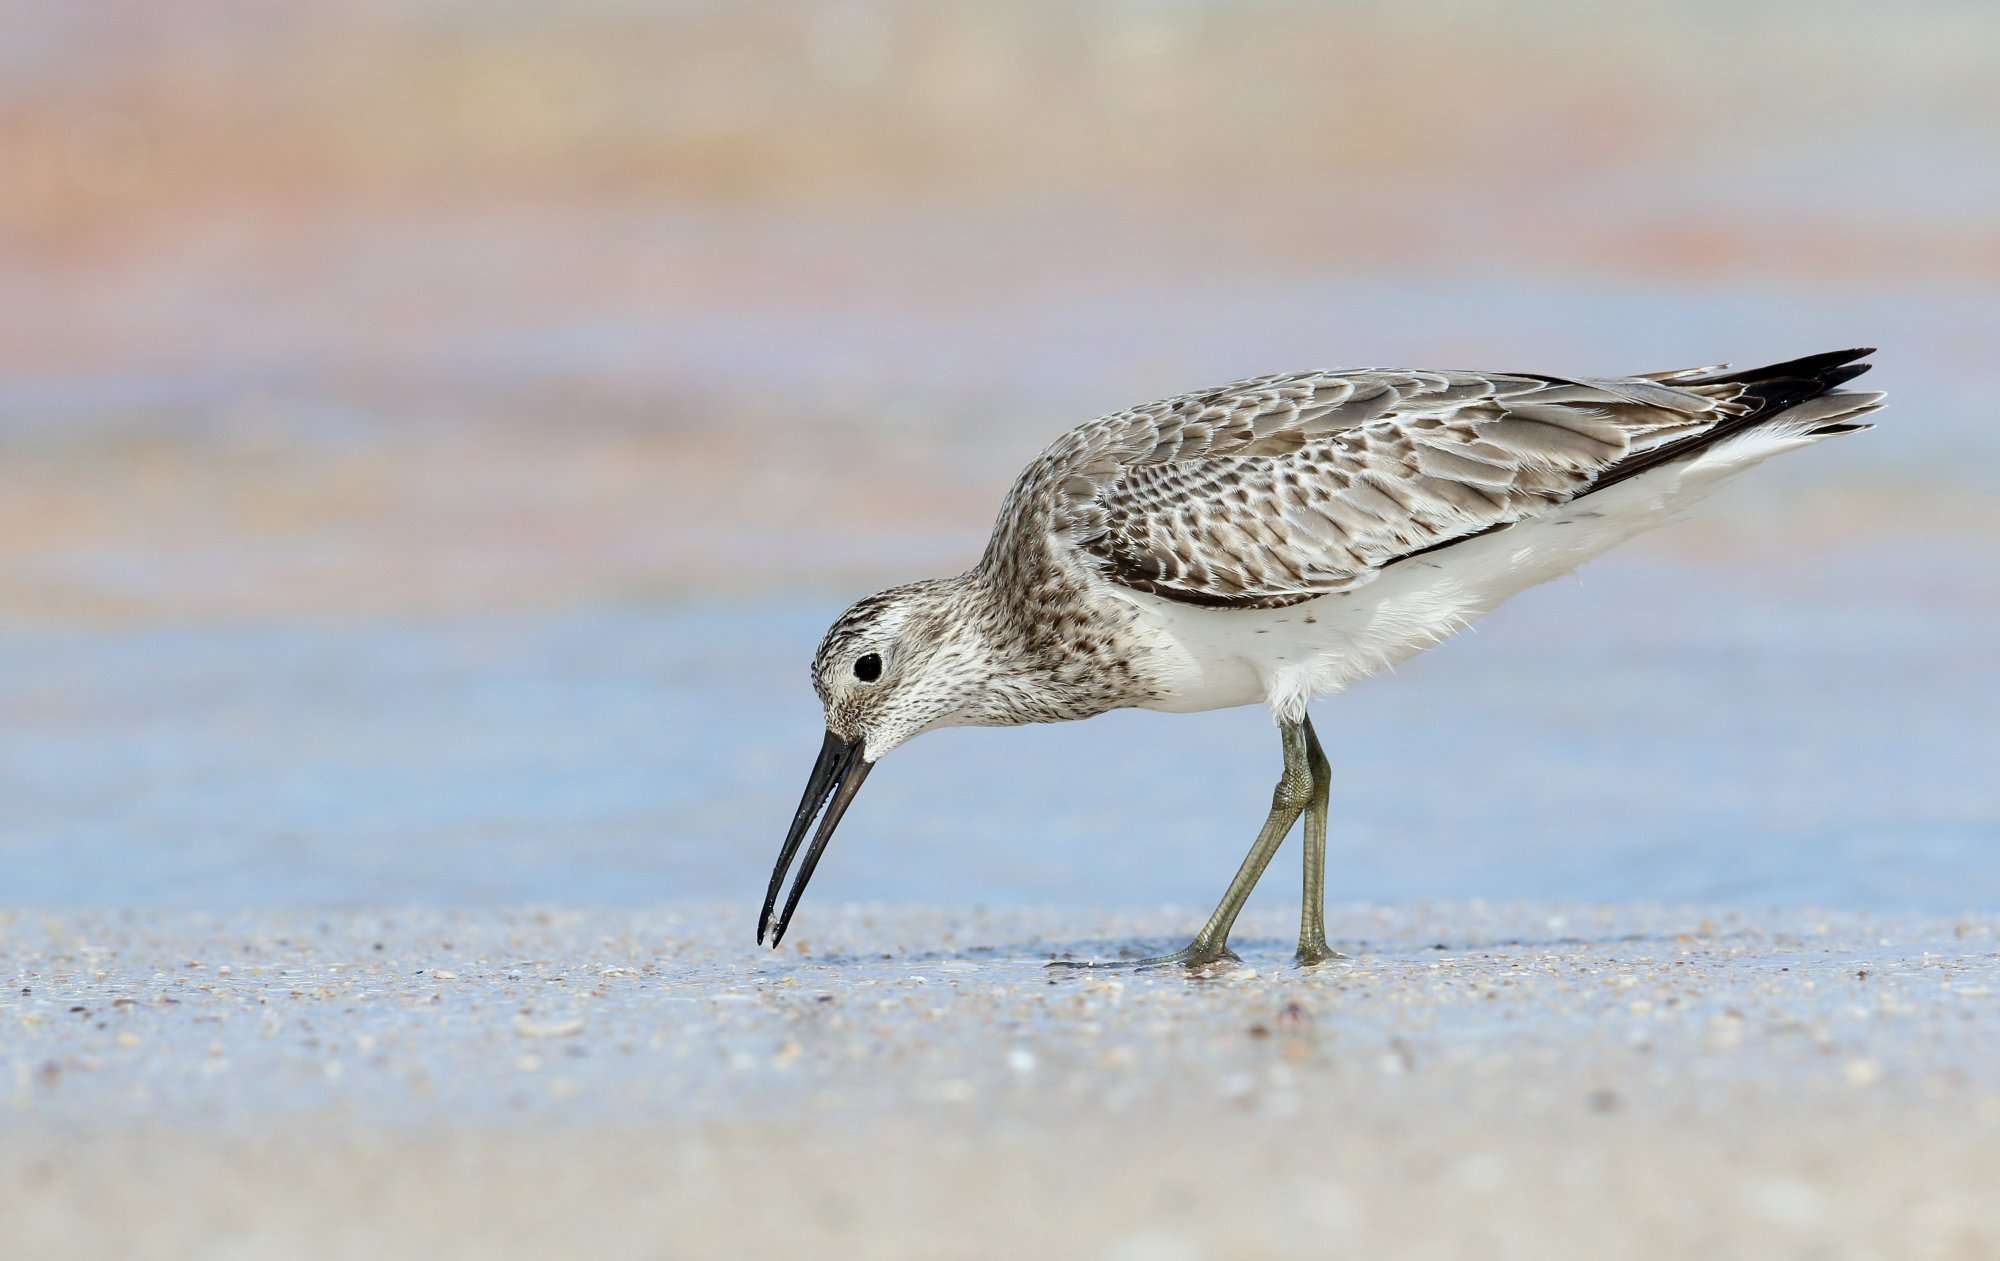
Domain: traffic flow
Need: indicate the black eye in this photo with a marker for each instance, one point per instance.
(869, 668)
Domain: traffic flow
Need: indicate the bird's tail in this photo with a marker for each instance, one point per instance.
(1788, 404)
(1783, 387)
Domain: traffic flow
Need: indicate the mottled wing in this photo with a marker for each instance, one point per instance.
(1276, 490)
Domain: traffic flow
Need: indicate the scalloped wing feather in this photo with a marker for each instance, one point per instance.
(1280, 489)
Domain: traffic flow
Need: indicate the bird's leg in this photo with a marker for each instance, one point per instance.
(1312, 910)
(1293, 793)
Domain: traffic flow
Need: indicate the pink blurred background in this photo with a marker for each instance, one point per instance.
(368, 309)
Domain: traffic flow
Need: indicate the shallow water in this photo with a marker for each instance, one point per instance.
(1648, 731)
(1791, 701)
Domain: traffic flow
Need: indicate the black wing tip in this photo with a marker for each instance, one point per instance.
(1808, 365)
(1805, 367)
(1777, 386)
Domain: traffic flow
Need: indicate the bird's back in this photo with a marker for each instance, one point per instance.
(1276, 490)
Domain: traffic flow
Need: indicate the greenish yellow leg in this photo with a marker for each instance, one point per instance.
(1312, 911)
(1288, 800)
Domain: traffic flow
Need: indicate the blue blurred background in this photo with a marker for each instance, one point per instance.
(435, 434)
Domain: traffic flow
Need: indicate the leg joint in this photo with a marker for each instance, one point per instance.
(1294, 792)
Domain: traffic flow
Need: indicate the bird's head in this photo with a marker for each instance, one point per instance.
(891, 667)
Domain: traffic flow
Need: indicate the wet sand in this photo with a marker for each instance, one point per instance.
(1506, 1080)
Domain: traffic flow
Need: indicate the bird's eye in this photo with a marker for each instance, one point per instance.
(869, 667)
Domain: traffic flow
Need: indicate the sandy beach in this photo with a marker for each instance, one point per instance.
(910, 1083)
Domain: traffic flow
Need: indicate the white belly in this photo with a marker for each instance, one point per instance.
(1218, 658)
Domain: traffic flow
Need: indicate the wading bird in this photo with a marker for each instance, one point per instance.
(1273, 541)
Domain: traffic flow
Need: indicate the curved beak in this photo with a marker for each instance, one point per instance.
(836, 777)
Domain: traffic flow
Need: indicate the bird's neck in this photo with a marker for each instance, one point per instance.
(1045, 654)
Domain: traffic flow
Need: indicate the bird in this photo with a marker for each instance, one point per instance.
(1272, 541)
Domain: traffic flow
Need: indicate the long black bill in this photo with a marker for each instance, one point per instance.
(837, 775)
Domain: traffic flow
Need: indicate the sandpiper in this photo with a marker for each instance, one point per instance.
(1272, 541)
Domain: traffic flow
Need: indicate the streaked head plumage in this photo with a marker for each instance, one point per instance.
(892, 664)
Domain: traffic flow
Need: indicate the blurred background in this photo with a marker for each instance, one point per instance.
(434, 434)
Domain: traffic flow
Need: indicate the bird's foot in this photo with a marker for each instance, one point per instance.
(1311, 955)
(1196, 958)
